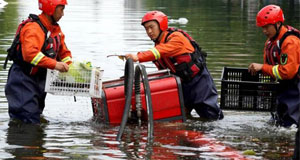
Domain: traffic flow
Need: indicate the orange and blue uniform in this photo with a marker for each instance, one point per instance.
(175, 52)
(281, 61)
(177, 44)
(291, 48)
(32, 39)
(26, 79)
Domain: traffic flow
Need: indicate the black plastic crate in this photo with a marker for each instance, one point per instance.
(242, 91)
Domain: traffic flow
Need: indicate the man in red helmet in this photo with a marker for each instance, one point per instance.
(176, 50)
(39, 44)
(281, 61)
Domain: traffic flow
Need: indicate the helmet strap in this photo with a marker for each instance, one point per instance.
(277, 30)
(53, 20)
(157, 39)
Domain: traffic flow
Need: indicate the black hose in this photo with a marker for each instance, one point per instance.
(140, 72)
(128, 85)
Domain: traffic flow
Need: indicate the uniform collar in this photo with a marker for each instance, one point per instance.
(162, 40)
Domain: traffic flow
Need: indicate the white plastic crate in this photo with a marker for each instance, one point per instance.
(76, 82)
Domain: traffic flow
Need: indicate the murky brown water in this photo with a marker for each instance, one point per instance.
(96, 28)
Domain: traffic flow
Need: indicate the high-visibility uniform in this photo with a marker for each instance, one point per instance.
(26, 78)
(282, 63)
(199, 92)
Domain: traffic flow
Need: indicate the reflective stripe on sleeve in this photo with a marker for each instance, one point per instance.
(276, 72)
(155, 53)
(37, 58)
(66, 59)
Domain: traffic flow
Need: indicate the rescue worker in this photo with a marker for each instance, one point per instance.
(281, 61)
(39, 44)
(176, 50)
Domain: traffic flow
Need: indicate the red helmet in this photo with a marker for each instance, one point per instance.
(158, 16)
(48, 6)
(270, 14)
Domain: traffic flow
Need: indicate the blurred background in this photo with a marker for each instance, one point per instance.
(225, 29)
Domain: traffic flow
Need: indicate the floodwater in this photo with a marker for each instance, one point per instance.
(96, 28)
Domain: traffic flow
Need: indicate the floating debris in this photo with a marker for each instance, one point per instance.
(179, 20)
(249, 152)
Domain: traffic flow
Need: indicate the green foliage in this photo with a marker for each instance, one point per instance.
(79, 72)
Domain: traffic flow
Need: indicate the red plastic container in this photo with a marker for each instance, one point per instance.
(166, 94)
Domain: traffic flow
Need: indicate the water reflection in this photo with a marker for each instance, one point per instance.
(27, 139)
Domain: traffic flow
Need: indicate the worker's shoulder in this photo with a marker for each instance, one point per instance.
(291, 40)
(32, 27)
(176, 35)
